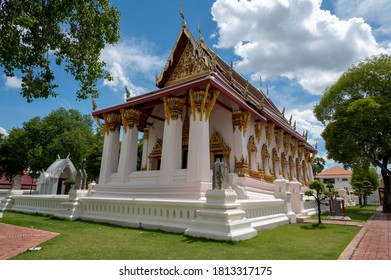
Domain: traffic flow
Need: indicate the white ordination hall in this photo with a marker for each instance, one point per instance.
(202, 112)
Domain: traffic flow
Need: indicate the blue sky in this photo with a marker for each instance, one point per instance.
(297, 47)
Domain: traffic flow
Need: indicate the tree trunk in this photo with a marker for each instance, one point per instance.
(387, 193)
(319, 213)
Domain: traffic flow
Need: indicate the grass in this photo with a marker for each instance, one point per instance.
(80, 240)
(355, 213)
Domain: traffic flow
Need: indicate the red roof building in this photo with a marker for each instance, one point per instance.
(337, 176)
(27, 183)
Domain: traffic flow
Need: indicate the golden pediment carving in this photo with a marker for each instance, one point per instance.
(190, 65)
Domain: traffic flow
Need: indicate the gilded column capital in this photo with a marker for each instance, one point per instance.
(146, 133)
(173, 108)
(112, 122)
(279, 134)
(202, 102)
(130, 118)
(240, 120)
(258, 127)
(300, 152)
(313, 156)
(269, 133)
(294, 145)
(287, 143)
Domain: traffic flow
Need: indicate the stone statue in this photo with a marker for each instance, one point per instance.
(224, 174)
(78, 180)
(220, 178)
(216, 177)
(84, 179)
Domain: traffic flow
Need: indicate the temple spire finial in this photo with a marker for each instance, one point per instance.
(260, 84)
(182, 16)
(199, 31)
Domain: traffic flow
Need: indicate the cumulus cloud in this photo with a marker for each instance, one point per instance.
(129, 59)
(293, 39)
(375, 12)
(306, 121)
(13, 82)
(3, 132)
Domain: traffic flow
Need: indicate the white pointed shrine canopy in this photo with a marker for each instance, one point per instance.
(52, 180)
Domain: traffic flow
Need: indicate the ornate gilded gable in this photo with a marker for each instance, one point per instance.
(190, 65)
(187, 60)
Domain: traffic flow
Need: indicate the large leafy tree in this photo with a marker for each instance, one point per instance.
(35, 34)
(13, 160)
(38, 143)
(357, 113)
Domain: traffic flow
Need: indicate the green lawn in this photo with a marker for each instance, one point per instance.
(90, 241)
(355, 213)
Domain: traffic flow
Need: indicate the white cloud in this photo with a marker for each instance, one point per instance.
(375, 12)
(13, 82)
(294, 39)
(306, 121)
(129, 59)
(3, 131)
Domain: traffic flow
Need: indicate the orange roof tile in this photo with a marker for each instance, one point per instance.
(334, 171)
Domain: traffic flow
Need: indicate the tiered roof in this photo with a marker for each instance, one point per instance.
(193, 64)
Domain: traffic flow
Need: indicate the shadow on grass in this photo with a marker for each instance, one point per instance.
(313, 226)
(189, 239)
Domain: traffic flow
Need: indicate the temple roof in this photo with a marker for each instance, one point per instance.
(193, 64)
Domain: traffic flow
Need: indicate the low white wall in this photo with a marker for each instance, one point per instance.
(164, 214)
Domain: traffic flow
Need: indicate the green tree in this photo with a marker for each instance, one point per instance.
(36, 145)
(36, 34)
(94, 157)
(357, 113)
(318, 165)
(365, 181)
(320, 193)
(140, 146)
(13, 160)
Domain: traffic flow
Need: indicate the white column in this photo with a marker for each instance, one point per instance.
(240, 122)
(171, 151)
(172, 139)
(144, 164)
(128, 157)
(198, 160)
(240, 147)
(109, 163)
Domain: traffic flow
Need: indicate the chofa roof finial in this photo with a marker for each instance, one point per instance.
(182, 16)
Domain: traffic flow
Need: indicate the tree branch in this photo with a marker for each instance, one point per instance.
(376, 162)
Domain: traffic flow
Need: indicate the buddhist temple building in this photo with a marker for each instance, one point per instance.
(202, 114)
(202, 110)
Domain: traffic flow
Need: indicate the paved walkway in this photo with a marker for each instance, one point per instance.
(373, 242)
(15, 239)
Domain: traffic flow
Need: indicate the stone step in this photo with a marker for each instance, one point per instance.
(302, 218)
